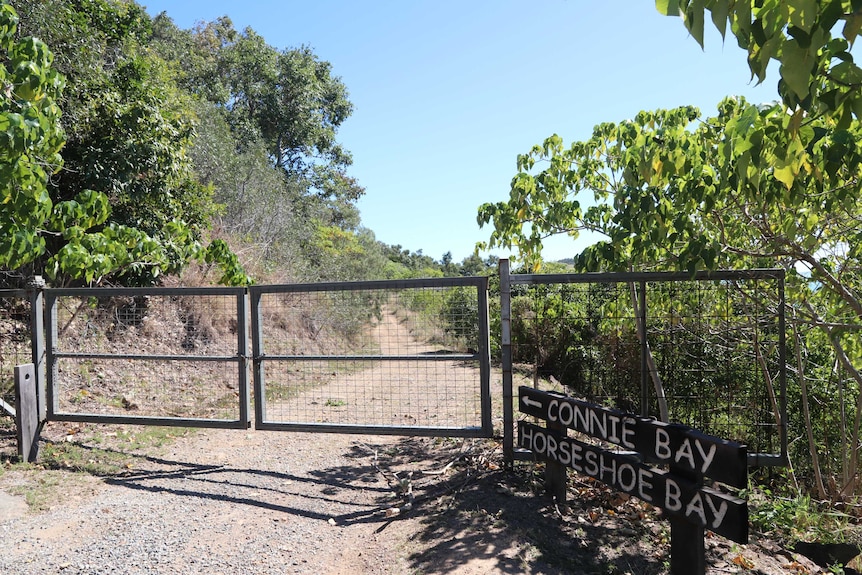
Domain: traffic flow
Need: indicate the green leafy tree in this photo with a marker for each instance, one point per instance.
(127, 134)
(474, 265)
(817, 71)
(289, 100)
(31, 138)
(30, 220)
(266, 122)
(749, 187)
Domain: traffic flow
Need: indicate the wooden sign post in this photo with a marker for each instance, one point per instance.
(689, 454)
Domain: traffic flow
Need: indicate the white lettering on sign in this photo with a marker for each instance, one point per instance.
(718, 514)
(531, 402)
(592, 458)
(644, 486)
(627, 477)
(672, 493)
(659, 442)
(701, 507)
(597, 423)
(707, 456)
(685, 451)
(695, 506)
(662, 443)
(710, 516)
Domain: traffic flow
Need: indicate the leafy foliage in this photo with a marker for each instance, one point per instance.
(173, 137)
(127, 135)
(749, 187)
(266, 142)
(460, 316)
(817, 71)
(32, 138)
(752, 186)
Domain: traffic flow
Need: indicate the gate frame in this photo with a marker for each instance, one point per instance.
(510, 453)
(44, 309)
(241, 358)
(34, 295)
(482, 354)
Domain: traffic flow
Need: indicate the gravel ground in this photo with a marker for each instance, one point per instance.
(232, 502)
(219, 502)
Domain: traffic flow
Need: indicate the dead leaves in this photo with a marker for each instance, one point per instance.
(796, 567)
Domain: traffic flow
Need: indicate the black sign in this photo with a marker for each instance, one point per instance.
(721, 513)
(658, 442)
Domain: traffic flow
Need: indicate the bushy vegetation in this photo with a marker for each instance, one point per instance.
(137, 148)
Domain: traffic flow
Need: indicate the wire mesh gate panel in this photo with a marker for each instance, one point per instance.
(158, 356)
(385, 357)
(713, 357)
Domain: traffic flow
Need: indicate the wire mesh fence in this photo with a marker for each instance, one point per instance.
(719, 353)
(15, 347)
(713, 355)
(147, 353)
(397, 357)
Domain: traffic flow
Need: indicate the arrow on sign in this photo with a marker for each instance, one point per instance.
(530, 402)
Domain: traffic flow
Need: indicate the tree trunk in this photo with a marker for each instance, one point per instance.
(854, 441)
(806, 414)
(651, 366)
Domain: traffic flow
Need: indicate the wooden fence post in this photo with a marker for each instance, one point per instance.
(27, 412)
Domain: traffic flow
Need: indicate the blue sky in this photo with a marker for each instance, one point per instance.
(447, 93)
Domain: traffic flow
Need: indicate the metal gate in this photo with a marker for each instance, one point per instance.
(19, 346)
(388, 357)
(404, 357)
(148, 356)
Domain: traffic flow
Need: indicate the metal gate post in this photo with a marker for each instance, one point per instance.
(506, 364)
(242, 353)
(257, 357)
(51, 370)
(645, 375)
(782, 374)
(37, 341)
(485, 359)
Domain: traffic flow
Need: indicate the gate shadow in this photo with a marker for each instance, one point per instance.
(336, 487)
(465, 509)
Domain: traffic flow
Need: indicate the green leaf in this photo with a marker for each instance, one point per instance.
(802, 13)
(694, 17)
(796, 66)
(847, 73)
(720, 10)
(852, 25)
(785, 175)
(667, 7)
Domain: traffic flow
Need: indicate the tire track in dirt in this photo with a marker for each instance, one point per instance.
(425, 391)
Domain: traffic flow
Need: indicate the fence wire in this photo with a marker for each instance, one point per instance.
(372, 357)
(15, 348)
(712, 358)
(146, 353)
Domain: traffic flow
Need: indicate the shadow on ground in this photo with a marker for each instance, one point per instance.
(479, 513)
(465, 508)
